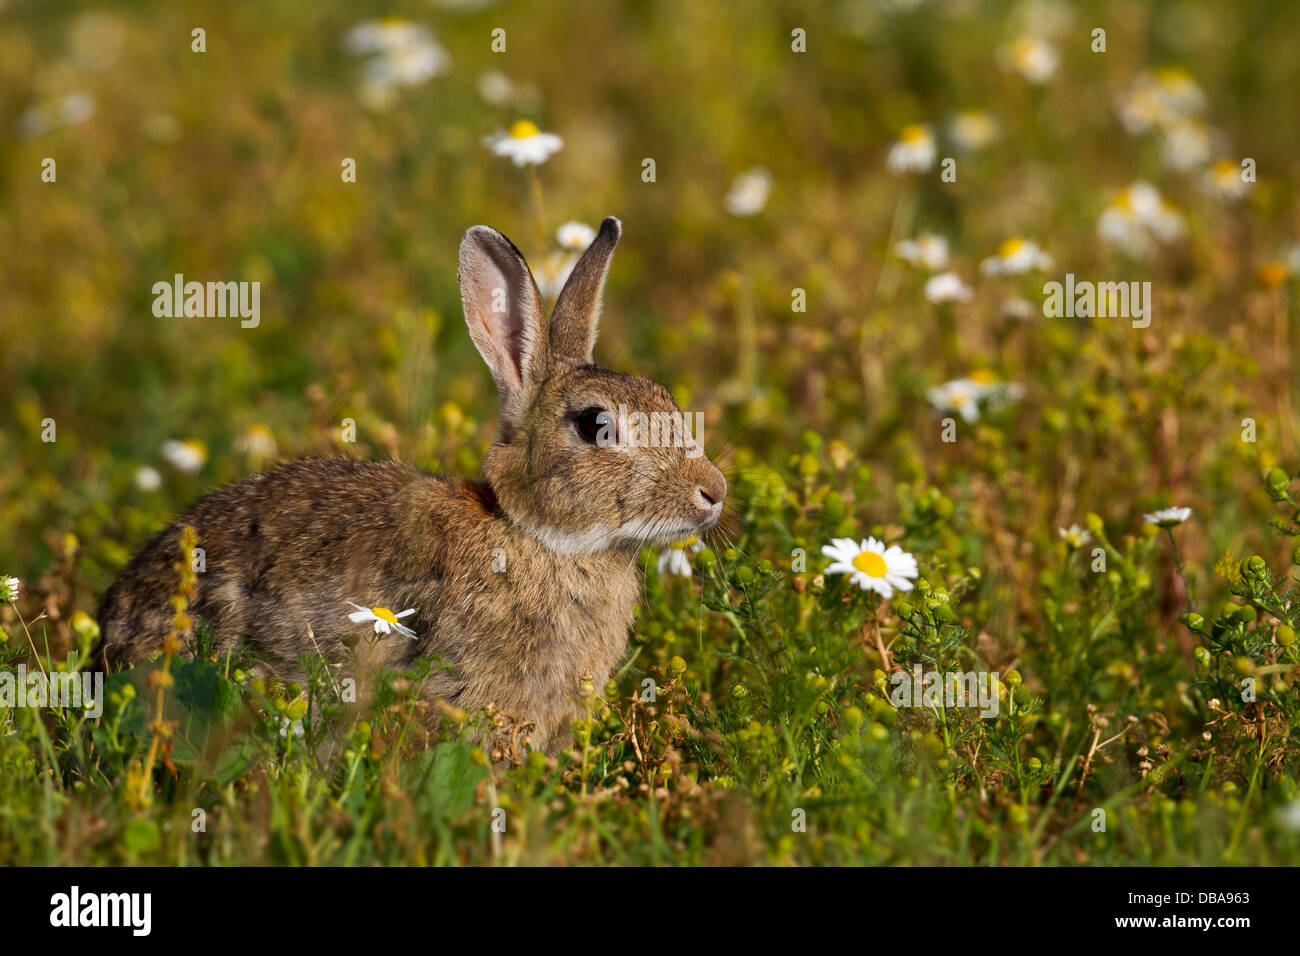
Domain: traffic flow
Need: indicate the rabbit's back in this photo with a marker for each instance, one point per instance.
(276, 549)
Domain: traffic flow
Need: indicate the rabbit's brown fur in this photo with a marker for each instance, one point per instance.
(295, 545)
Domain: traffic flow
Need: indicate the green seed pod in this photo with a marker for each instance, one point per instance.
(706, 559)
(1013, 678)
(1285, 635)
(853, 718)
(1256, 565)
(676, 667)
(1276, 481)
(745, 575)
(1195, 621)
(1245, 614)
(905, 609)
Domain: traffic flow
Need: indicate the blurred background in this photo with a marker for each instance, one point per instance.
(772, 173)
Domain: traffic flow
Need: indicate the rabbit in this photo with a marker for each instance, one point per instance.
(524, 581)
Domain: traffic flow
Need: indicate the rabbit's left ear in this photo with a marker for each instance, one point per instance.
(577, 310)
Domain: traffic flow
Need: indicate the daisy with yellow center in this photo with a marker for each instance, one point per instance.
(1225, 181)
(1015, 256)
(185, 456)
(947, 287)
(675, 560)
(1159, 99)
(964, 395)
(872, 566)
(974, 130)
(525, 144)
(927, 250)
(575, 236)
(1138, 215)
(913, 152)
(1034, 59)
(385, 621)
(1074, 537)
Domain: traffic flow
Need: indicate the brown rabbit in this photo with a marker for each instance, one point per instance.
(522, 582)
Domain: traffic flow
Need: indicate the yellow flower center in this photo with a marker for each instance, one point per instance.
(683, 544)
(913, 134)
(384, 614)
(1272, 274)
(870, 564)
(1225, 169)
(1011, 247)
(524, 129)
(983, 376)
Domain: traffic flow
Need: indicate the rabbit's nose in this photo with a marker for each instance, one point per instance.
(711, 492)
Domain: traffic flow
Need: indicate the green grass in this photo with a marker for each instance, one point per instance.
(772, 738)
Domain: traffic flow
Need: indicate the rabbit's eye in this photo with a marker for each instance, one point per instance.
(594, 425)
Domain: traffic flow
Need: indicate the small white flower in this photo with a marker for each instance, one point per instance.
(524, 144)
(576, 236)
(401, 53)
(496, 88)
(947, 287)
(1168, 517)
(1032, 58)
(1015, 256)
(1223, 179)
(928, 250)
(257, 442)
(385, 621)
(1074, 536)
(913, 152)
(1186, 144)
(147, 478)
(872, 566)
(384, 36)
(185, 456)
(1159, 99)
(294, 727)
(9, 590)
(1138, 215)
(1288, 817)
(748, 193)
(974, 130)
(964, 395)
(55, 114)
(675, 560)
(552, 271)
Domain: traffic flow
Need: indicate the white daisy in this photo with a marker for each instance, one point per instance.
(147, 479)
(385, 620)
(524, 144)
(675, 559)
(872, 566)
(1186, 144)
(552, 271)
(1168, 517)
(1288, 816)
(748, 193)
(9, 590)
(1075, 537)
(401, 53)
(928, 250)
(1223, 179)
(1138, 215)
(964, 395)
(913, 152)
(1159, 99)
(1034, 59)
(496, 88)
(258, 441)
(576, 236)
(974, 130)
(1015, 256)
(947, 287)
(54, 114)
(384, 36)
(185, 456)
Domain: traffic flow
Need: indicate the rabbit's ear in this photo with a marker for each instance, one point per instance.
(504, 313)
(577, 310)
